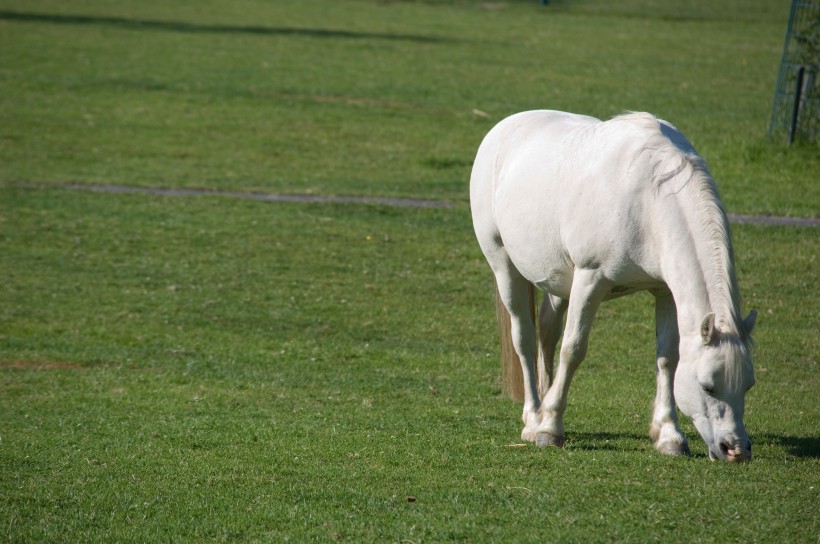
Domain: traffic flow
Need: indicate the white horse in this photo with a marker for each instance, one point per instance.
(587, 211)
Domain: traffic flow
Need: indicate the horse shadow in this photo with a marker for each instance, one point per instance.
(798, 446)
(604, 441)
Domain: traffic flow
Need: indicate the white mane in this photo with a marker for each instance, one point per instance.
(674, 161)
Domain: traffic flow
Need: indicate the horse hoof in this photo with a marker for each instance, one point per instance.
(547, 439)
(673, 448)
(528, 435)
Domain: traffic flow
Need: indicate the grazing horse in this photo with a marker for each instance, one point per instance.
(588, 210)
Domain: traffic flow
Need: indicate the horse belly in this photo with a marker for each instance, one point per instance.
(548, 252)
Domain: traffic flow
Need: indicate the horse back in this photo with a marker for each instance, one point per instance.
(561, 191)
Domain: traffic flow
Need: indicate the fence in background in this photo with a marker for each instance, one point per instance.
(796, 106)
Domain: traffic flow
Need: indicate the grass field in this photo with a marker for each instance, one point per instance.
(212, 369)
(366, 97)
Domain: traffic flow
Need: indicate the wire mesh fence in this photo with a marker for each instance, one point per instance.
(796, 106)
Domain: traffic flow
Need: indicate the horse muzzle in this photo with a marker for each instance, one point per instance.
(734, 453)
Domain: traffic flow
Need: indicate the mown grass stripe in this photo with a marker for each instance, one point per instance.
(179, 26)
(384, 201)
(775, 220)
(266, 197)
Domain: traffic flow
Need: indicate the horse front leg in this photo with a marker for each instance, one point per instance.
(664, 429)
(588, 290)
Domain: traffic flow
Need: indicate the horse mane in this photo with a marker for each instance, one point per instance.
(672, 160)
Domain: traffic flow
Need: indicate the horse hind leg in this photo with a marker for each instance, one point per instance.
(664, 429)
(514, 293)
(550, 326)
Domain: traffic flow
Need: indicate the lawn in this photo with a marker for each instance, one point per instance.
(169, 376)
(366, 97)
(190, 369)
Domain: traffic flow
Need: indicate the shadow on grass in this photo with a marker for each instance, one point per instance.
(176, 26)
(607, 441)
(799, 446)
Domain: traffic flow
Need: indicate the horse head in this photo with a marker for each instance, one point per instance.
(711, 382)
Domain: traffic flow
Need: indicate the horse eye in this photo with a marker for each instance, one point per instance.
(708, 390)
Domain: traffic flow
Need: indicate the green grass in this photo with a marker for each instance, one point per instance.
(211, 369)
(364, 97)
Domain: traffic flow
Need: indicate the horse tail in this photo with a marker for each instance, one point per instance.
(512, 378)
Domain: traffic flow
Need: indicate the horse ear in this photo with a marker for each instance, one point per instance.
(749, 322)
(707, 329)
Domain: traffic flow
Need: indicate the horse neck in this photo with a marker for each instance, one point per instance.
(698, 261)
